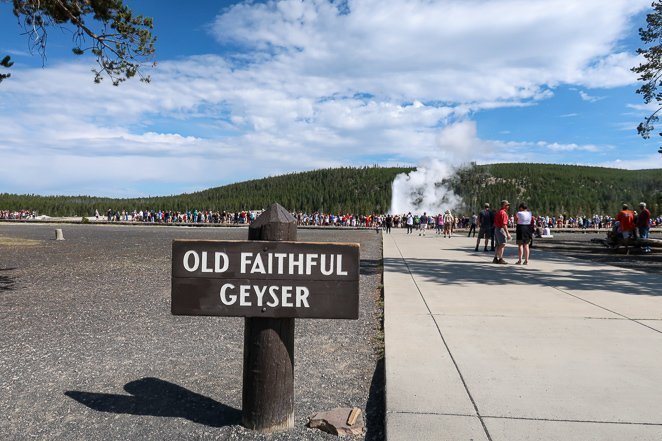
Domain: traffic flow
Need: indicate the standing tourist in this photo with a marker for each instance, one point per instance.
(486, 223)
(523, 233)
(625, 217)
(388, 223)
(423, 224)
(448, 223)
(643, 225)
(501, 233)
(472, 228)
(409, 222)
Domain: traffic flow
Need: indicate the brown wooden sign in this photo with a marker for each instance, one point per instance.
(265, 279)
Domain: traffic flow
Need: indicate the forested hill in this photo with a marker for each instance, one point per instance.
(559, 189)
(548, 189)
(347, 190)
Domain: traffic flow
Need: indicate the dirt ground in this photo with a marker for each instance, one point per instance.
(90, 350)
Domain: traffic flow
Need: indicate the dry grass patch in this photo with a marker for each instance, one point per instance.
(17, 242)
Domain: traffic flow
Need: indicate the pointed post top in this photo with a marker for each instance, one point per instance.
(275, 223)
(275, 213)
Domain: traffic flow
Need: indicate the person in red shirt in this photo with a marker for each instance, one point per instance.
(626, 219)
(643, 224)
(501, 234)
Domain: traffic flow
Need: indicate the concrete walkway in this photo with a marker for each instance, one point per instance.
(560, 349)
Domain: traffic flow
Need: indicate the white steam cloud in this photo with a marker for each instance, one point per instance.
(423, 190)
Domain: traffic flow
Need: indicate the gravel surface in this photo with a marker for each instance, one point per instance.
(579, 245)
(89, 349)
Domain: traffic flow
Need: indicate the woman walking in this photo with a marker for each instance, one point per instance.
(523, 233)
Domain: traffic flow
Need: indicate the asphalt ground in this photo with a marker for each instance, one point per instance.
(89, 349)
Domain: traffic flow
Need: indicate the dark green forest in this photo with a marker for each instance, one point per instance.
(548, 189)
(348, 190)
(558, 189)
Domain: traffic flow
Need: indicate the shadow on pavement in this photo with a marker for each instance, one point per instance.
(154, 397)
(580, 276)
(376, 406)
(369, 267)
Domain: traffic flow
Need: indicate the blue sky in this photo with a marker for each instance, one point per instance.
(244, 90)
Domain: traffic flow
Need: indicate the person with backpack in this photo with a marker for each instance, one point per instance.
(449, 221)
(486, 222)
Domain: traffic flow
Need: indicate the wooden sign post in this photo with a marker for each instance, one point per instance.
(270, 280)
(268, 389)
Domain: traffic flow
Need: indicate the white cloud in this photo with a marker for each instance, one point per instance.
(314, 87)
(453, 50)
(650, 162)
(590, 98)
(644, 108)
(555, 146)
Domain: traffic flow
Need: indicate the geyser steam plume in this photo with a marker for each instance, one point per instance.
(423, 191)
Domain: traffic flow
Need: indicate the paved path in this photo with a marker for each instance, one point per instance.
(560, 349)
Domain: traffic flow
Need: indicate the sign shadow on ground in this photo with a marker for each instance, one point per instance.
(376, 405)
(7, 282)
(155, 397)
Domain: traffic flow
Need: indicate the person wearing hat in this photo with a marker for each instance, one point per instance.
(643, 224)
(486, 226)
(501, 233)
(449, 223)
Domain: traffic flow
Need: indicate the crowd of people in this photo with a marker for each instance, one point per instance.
(445, 223)
(239, 217)
(17, 214)
(493, 226)
(540, 221)
(179, 217)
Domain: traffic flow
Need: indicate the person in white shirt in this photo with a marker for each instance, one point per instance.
(410, 223)
(523, 232)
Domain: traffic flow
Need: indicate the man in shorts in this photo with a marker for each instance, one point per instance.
(423, 224)
(501, 233)
(627, 223)
(486, 223)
